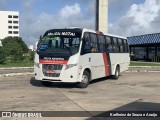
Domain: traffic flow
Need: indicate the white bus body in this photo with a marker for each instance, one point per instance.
(74, 62)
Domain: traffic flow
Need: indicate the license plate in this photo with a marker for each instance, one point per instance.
(50, 72)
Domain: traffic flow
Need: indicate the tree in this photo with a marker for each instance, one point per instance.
(7, 40)
(2, 56)
(14, 50)
(32, 54)
(14, 47)
(18, 41)
(22, 44)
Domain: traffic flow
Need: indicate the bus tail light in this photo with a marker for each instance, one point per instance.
(70, 66)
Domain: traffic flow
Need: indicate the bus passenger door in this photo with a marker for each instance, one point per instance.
(89, 57)
(91, 61)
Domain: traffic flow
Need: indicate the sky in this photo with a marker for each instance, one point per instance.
(125, 17)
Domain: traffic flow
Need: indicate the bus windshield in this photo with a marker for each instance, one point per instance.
(59, 43)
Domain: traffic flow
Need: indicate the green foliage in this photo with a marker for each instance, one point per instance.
(22, 44)
(18, 41)
(14, 47)
(2, 56)
(18, 53)
(32, 53)
(17, 64)
(29, 57)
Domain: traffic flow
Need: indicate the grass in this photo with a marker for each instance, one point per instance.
(143, 64)
(18, 64)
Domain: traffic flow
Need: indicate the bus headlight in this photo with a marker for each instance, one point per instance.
(70, 66)
(37, 65)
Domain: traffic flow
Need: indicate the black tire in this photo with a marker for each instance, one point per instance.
(46, 83)
(117, 73)
(85, 81)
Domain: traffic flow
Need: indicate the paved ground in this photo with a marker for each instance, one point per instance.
(144, 69)
(132, 92)
(18, 70)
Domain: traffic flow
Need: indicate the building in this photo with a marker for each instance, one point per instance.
(145, 47)
(102, 15)
(9, 24)
(30, 47)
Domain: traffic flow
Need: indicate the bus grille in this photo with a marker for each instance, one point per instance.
(51, 74)
(55, 68)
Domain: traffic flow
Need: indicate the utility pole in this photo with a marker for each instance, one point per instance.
(102, 15)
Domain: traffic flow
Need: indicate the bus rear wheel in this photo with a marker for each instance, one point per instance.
(46, 83)
(85, 80)
(117, 73)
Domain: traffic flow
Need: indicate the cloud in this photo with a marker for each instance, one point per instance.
(28, 5)
(90, 7)
(140, 19)
(68, 11)
(33, 26)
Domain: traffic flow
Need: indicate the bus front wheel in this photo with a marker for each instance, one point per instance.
(117, 73)
(85, 80)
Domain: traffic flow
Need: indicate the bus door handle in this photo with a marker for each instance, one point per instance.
(89, 59)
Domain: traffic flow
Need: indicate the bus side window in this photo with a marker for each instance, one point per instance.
(126, 46)
(101, 42)
(94, 43)
(115, 45)
(87, 44)
(120, 45)
(109, 47)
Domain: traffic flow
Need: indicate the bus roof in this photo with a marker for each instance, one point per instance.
(89, 30)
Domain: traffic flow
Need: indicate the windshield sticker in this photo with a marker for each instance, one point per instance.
(49, 38)
(43, 46)
(63, 33)
(43, 61)
(50, 58)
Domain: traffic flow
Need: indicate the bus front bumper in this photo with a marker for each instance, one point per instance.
(70, 75)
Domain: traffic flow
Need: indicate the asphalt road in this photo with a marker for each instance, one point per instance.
(18, 70)
(132, 92)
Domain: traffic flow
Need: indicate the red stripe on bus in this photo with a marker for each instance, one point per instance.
(53, 61)
(106, 64)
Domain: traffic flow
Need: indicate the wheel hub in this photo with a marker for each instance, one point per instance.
(84, 79)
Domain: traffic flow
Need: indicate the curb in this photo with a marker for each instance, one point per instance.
(144, 66)
(144, 71)
(16, 74)
(16, 68)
